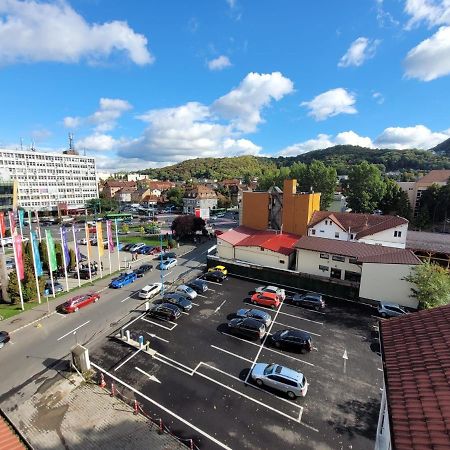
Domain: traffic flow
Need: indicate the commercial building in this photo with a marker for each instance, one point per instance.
(415, 404)
(414, 189)
(430, 247)
(49, 181)
(199, 199)
(111, 187)
(8, 191)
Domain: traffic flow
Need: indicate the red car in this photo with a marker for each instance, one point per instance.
(75, 303)
(266, 299)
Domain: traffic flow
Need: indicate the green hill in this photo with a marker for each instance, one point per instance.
(442, 149)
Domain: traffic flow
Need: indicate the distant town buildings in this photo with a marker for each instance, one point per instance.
(201, 199)
(111, 187)
(8, 191)
(51, 182)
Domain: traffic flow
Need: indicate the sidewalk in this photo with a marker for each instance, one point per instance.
(60, 411)
(40, 312)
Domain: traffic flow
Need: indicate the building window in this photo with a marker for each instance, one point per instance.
(352, 236)
(397, 234)
(326, 222)
(338, 258)
(336, 235)
(324, 268)
(281, 261)
(324, 255)
(261, 248)
(352, 276)
(335, 273)
(313, 232)
(353, 260)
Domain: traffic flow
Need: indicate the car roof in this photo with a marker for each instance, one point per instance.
(170, 306)
(289, 373)
(296, 333)
(268, 294)
(272, 287)
(394, 305)
(258, 312)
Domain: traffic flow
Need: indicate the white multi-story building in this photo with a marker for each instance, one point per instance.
(50, 181)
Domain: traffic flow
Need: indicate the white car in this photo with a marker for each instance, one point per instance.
(82, 241)
(136, 247)
(273, 289)
(167, 264)
(187, 291)
(150, 290)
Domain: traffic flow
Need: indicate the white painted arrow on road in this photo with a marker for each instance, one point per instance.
(220, 306)
(149, 376)
(345, 356)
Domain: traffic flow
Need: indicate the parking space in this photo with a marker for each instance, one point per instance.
(200, 372)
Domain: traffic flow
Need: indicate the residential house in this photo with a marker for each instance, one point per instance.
(161, 186)
(199, 198)
(124, 195)
(136, 177)
(415, 403)
(375, 229)
(139, 194)
(430, 247)
(415, 189)
(112, 186)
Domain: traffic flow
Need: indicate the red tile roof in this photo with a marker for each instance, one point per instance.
(363, 252)
(417, 372)
(120, 184)
(8, 439)
(361, 224)
(247, 237)
(435, 176)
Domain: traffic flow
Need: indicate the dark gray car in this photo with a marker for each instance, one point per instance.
(177, 299)
(257, 314)
(308, 300)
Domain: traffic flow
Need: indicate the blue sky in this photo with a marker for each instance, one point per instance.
(149, 83)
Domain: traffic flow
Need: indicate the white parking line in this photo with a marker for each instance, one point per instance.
(124, 362)
(290, 315)
(232, 354)
(196, 304)
(299, 329)
(60, 314)
(168, 411)
(220, 306)
(213, 282)
(75, 329)
(134, 320)
(290, 305)
(167, 274)
(102, 289)
(156, 337)
(125, 299)
(270, 349)
(185, 313)
(203, 296)
(160, 325)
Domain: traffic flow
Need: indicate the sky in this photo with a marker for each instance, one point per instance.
(149, 83)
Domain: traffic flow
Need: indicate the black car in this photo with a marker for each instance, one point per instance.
(142, 270)
(4, 338)
(198, 285)
(250, 328)
(127, 247)
(165, 311)
(168, 255)
(177, 299)
(293, 340)
(84, 273)
(217, 276)
(310, 300)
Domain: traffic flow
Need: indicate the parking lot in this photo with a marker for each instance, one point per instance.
(197, 376)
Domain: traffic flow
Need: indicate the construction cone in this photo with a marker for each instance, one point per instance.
(136, 408)
(102, 381)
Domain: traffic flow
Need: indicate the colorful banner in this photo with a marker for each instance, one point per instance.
(2, 224)
(65, 246)
(51, 251)
(18, 248)
(37, 256)
(77, 250)
(21, 214)
(110, 236)
(88, 241)
(100, 239)
(12, 222)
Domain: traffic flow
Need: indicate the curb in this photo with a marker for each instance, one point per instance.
(33, 322)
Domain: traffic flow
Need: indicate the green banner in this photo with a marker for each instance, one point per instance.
(51, 251)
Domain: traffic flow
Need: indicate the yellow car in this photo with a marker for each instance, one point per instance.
(218, 268)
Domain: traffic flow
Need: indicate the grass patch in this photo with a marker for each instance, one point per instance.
(154, 241)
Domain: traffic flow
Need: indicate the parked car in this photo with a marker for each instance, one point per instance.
(168, 255)
(216, 276)
(198, 285)
(48, 287)
(82, 241)
(4, 338)
(165, 311)
(9, 264)
(186, 291)
(280, 292)
(143, 250)
(250, 328)
(136, 247)
(177, 299)
(123, 280)
(309, 300)
(289, 381)
(84, 273)
(127, 247)
(266, 299)
(219, 268)
(142, 270)
(294, 340)
(167, 264)
(390, 310)
(256, 314)
(75, 303)
(150, 290)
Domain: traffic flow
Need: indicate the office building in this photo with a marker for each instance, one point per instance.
(51, 182)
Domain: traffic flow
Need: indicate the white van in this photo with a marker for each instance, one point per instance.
(150, 290)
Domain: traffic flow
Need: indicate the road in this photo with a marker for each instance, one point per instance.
(34, 349)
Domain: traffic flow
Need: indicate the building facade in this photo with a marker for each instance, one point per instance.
(201, 198)
(51, 182)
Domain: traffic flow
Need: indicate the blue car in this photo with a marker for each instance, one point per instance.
(143, 250)
(123, 280)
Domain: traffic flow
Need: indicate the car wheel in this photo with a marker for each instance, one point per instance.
(291, 395)
(95, 299)
(316, 308)
(75, 309)
(383, 315)
(2, 344)
(277, 345)
(259, 382)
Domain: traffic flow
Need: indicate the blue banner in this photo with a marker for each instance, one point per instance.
(37, 256)
(77, 250)
(65, 247)
(21, 214)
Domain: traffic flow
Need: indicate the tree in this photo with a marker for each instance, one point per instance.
(365, 188)
(73, 259)
(395, 200)
(13, 288)
(432, 285)
(44, 254)
(141, 230)
(125, 228)
(423, 219)
(175, 196)
(187, 225)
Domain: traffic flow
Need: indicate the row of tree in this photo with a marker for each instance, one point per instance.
(434, 207)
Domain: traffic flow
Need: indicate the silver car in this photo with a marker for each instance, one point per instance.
(257, 314)
(186, 291)
(281, 378)
(273, 289)
(390, 310)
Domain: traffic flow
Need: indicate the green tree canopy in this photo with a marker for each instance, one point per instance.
(187, 225)
(395, 200)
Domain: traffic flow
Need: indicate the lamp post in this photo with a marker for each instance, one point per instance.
(160, 267)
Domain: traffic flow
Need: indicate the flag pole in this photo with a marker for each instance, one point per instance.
(109, 237)
(38, 225)
(99, 238)
(76, 255)
(34, 258)
(50, 264)
(117, 243)
(16, 262)
(20, 217)
(64, 247)
(88, 247)
(1, 231)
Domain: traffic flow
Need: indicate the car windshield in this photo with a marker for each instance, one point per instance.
(269, 369)
(284, 333)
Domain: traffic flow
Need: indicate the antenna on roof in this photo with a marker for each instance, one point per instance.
(71, 141)
(21, 144)
(84, 151)
(33, 148)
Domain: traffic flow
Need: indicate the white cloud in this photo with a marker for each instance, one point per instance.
(32, 31)
(231, 3)
(331, 103)
(72, 122)
(431, 58)
(433, 12)
(243, 104)
(219, 63)
(384, 18)
(378, 97)
(418, 136)
(359, 51)
(41, 134)
(326, 141)
(97, 142)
